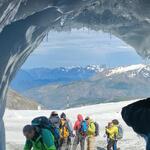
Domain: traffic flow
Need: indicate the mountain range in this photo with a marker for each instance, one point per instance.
(99, 86)
(32, 78)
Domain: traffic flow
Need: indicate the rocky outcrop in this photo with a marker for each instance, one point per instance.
(15, 101)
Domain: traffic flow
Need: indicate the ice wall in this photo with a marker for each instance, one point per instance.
(24, 23)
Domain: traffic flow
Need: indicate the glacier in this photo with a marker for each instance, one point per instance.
(24, 24)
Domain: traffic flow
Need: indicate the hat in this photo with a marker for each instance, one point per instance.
(87, 118)
(115, 122)
(63, 115)
(28, 128)
(54, 113)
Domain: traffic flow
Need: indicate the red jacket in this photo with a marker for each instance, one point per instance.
(78, 122)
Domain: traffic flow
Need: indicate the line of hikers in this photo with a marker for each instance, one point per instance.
(56, 133)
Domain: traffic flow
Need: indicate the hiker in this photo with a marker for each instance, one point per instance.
(43, 122)
(111, 132)
(38, 139)
(119, 136)
(66, 132)
(80, 128)
(107, 134)
(54, 119)
(90, 134)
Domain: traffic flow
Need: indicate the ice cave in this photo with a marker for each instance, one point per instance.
(24, 24)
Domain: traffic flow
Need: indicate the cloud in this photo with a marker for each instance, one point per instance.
(83, 40)
(79, 47)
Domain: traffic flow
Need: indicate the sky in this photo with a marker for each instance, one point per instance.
(81, 48)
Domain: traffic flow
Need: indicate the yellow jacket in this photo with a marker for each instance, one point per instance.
(112, 132)
(91, 129)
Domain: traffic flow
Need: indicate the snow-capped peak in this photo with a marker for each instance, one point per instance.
(120, 70)
(96, 68)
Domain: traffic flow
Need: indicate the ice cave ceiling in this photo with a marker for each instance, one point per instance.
(127, 19)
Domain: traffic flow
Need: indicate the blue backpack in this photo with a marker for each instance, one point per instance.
(120, 133)
(83, 128)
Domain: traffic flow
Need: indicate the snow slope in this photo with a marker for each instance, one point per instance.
(120, 70)
(102, 113)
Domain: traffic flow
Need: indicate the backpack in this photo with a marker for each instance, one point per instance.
(119, 136)
(64, 131)
(96, 129)
(83, 128)
(43, 122)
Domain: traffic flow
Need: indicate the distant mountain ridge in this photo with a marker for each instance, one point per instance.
(32, 78)
(117, 84)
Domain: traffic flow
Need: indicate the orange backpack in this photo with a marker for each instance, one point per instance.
(64, 132)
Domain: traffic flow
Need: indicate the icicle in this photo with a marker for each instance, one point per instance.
(70, 21)
(63, 19)
(88, 29)
(110, 34)
(47, 37)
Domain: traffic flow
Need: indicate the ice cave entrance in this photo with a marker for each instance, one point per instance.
(79, 53)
